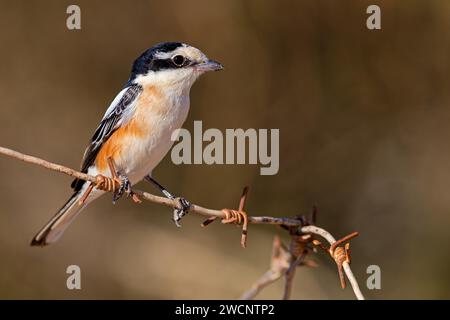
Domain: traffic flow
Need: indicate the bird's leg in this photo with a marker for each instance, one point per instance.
(183, 205)
(124, 184)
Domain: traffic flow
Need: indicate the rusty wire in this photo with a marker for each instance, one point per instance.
(235, 217)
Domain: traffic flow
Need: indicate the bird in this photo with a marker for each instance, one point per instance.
(135, 132)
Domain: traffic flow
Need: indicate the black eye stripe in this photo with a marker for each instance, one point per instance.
(148, 60)
(164, 64)
(161, 64)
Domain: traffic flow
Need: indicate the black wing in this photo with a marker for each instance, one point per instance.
(110, 122)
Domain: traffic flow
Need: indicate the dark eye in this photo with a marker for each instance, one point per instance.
(178, 60)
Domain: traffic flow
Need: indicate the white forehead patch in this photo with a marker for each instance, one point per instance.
(187, 51)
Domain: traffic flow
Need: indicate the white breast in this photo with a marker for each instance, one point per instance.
(143, 154)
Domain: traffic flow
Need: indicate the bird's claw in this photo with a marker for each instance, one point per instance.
(124, 184)
(181, 210)
(125, 187)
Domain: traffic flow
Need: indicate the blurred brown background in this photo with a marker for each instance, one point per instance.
(364, 127)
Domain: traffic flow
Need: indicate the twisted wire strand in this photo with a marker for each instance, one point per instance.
(239, 217)
(102, 183)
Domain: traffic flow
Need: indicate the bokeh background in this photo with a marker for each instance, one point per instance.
(364, 129)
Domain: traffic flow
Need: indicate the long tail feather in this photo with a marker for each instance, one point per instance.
(53, 230)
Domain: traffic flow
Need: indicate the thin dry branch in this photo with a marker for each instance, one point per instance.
(298, 250)
(279, 264)
(290, 273)
(238, 217)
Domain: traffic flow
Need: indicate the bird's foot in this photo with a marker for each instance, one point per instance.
(124, 187)
(118, 184)
(182, 205)
(180, 210)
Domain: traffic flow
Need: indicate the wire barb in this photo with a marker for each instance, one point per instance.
(107, 184)
(235, 216)
(339, 254)
(103, 183)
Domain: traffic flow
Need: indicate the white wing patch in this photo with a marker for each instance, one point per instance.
(118, 113)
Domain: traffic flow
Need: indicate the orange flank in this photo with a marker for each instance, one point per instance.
(149, 101)
(114, 145)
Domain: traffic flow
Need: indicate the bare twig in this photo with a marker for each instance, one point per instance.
(299, 247)
(283, 260)
(279, 264)
(266, 279)
(283, 263)
(290, 273)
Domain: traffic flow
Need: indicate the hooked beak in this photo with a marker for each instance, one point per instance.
(209, 65)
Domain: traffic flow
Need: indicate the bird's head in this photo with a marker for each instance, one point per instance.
(171, 63)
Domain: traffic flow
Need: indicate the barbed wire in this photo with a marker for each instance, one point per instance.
(284, 261)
